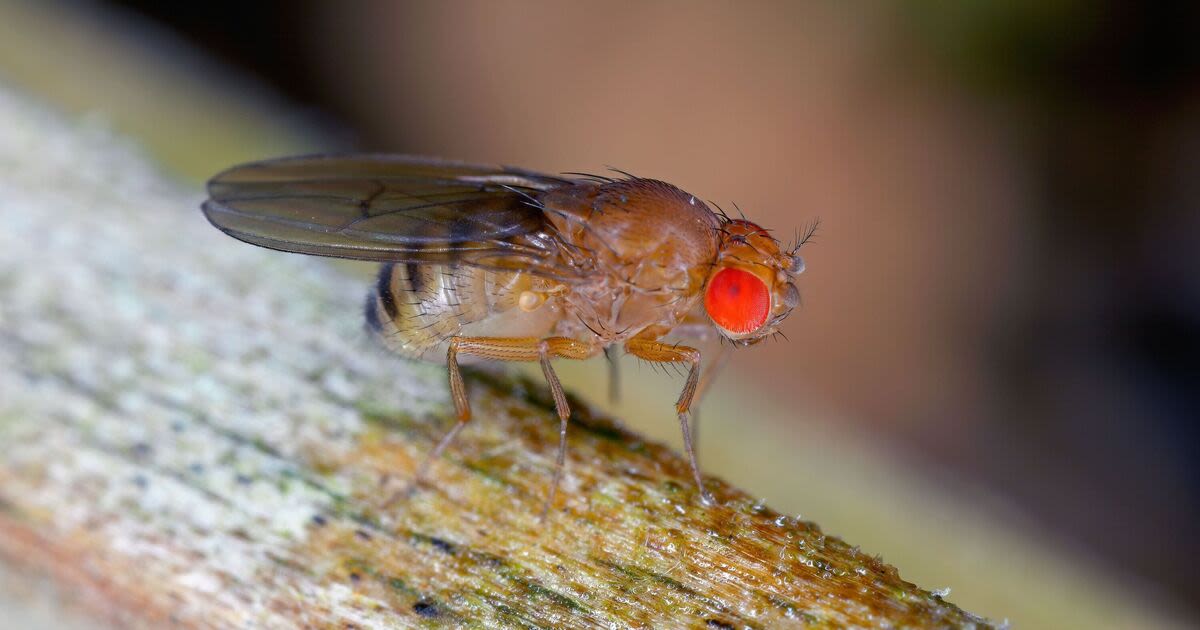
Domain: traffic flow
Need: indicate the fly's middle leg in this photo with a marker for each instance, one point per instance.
(659, 352)
(614, 376)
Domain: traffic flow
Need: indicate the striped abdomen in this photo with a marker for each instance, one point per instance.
(416, 308)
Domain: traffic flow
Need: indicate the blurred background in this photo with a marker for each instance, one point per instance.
(994, 380)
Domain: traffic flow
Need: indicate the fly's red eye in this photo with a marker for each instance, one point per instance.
(737, 301)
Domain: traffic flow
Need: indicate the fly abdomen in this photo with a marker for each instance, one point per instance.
(415, 308)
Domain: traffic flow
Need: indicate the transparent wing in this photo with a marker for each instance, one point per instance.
(389, 208)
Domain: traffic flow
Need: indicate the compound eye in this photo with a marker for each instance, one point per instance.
(737, 301)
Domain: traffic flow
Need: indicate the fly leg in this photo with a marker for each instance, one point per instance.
(708, 374)
(659, 352)
(614, 382)
(510, 349)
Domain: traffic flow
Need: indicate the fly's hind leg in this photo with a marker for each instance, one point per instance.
(510, 349)
(653, 350)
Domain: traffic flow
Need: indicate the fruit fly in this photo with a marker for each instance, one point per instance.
(486, 262)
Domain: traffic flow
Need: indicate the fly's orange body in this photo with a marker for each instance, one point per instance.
(498, 263)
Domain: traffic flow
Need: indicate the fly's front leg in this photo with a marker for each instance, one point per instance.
(708, 374)
(511, 349)
(659, 352)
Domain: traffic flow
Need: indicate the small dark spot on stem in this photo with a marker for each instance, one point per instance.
(319, 520)
(363, 534)
(425, 609)
(716, 623)
(243, 480)
(438, 544)
(354, 576)
(489, 560)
